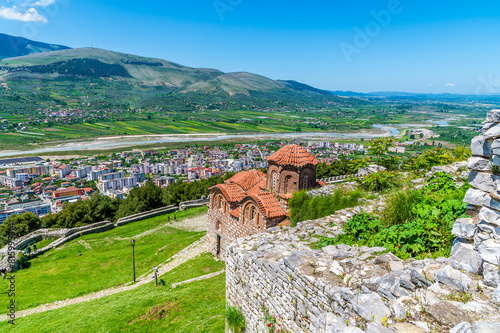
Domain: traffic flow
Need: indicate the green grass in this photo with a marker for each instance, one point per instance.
(194, 307)
(106, 261)
(43, 243)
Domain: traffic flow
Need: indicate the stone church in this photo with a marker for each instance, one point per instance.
(252, 201)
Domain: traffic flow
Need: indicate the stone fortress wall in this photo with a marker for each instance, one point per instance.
(350, 289)
(479, 236)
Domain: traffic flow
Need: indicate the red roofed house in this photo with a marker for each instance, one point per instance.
(251, 201)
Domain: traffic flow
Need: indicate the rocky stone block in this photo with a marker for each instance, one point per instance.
(478, 163)
(490, 215)
(496, 296)
(477, 198)
(489, 228)
(464, 228)
(374, 327)
(334, 324)
(463, 327)
(372, 249)
(464, 257)
(418, 279)
(489, 250)
(491, 275)
(336, 269)
(493, 132)
(447, 313)
(407, 328)
(495, 160)
(398, 311)
(493, 116)
(483, 181)
(481, 146)
(370, 306)
(486, 327)
(341, 251)
(453, 278)
(495, 147)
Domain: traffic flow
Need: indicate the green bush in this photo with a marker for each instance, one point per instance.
(399, 205)
(381, 181)
(235, 319)
(306, 207)
(434, 157)
(415, 223)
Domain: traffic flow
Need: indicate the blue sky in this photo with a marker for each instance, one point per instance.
(405, 45)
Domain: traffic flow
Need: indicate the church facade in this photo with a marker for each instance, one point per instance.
(252, 201)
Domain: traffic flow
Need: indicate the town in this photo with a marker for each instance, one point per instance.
(42, 186)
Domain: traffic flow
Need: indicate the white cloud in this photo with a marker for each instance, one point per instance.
(28, 15)
(43, 3)
(449, 85)
(431, 84)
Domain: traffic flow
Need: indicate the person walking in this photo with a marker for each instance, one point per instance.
(34, 248)
(29, 249)
(168, 219)
(175, 218)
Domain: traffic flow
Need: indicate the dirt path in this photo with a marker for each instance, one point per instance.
(181, 257)
(197, 224)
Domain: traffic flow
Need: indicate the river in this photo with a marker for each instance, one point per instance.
(131, 141)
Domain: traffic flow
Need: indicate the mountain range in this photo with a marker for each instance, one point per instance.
(12, 46)
(33, 65)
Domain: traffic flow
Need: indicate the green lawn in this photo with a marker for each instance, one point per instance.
(194, 307)
(43, 243)
(106, 261)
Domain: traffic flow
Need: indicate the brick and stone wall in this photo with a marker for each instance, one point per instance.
(221, 224)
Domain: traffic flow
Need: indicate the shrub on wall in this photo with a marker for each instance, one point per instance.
(415, 223)
(235, 319)
(306, 207)
(381, 181)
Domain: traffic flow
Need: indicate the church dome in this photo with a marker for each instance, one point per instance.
(294, 155)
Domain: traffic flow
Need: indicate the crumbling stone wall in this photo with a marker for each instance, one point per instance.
(477, 247)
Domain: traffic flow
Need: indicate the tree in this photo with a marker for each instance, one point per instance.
(379, 147)
(20, 225)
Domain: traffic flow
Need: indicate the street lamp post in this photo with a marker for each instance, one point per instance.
(133, 256)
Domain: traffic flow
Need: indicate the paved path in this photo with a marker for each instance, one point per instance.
(179, 258)
(199, 278)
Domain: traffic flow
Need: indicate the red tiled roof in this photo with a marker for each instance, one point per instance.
(231, 191)
(269, 205)
(247, 179)
(321, 183)
(293, 155)
(236, 212)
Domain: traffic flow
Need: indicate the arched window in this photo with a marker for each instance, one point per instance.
(220, 203)
(275, 179)
(306, 181)
(217, 225)
(253, 213)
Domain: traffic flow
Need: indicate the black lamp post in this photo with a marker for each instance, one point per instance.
(133, 256)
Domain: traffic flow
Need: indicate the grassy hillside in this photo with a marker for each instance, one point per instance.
(158, 75)
(194, 307)
(106, 261)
